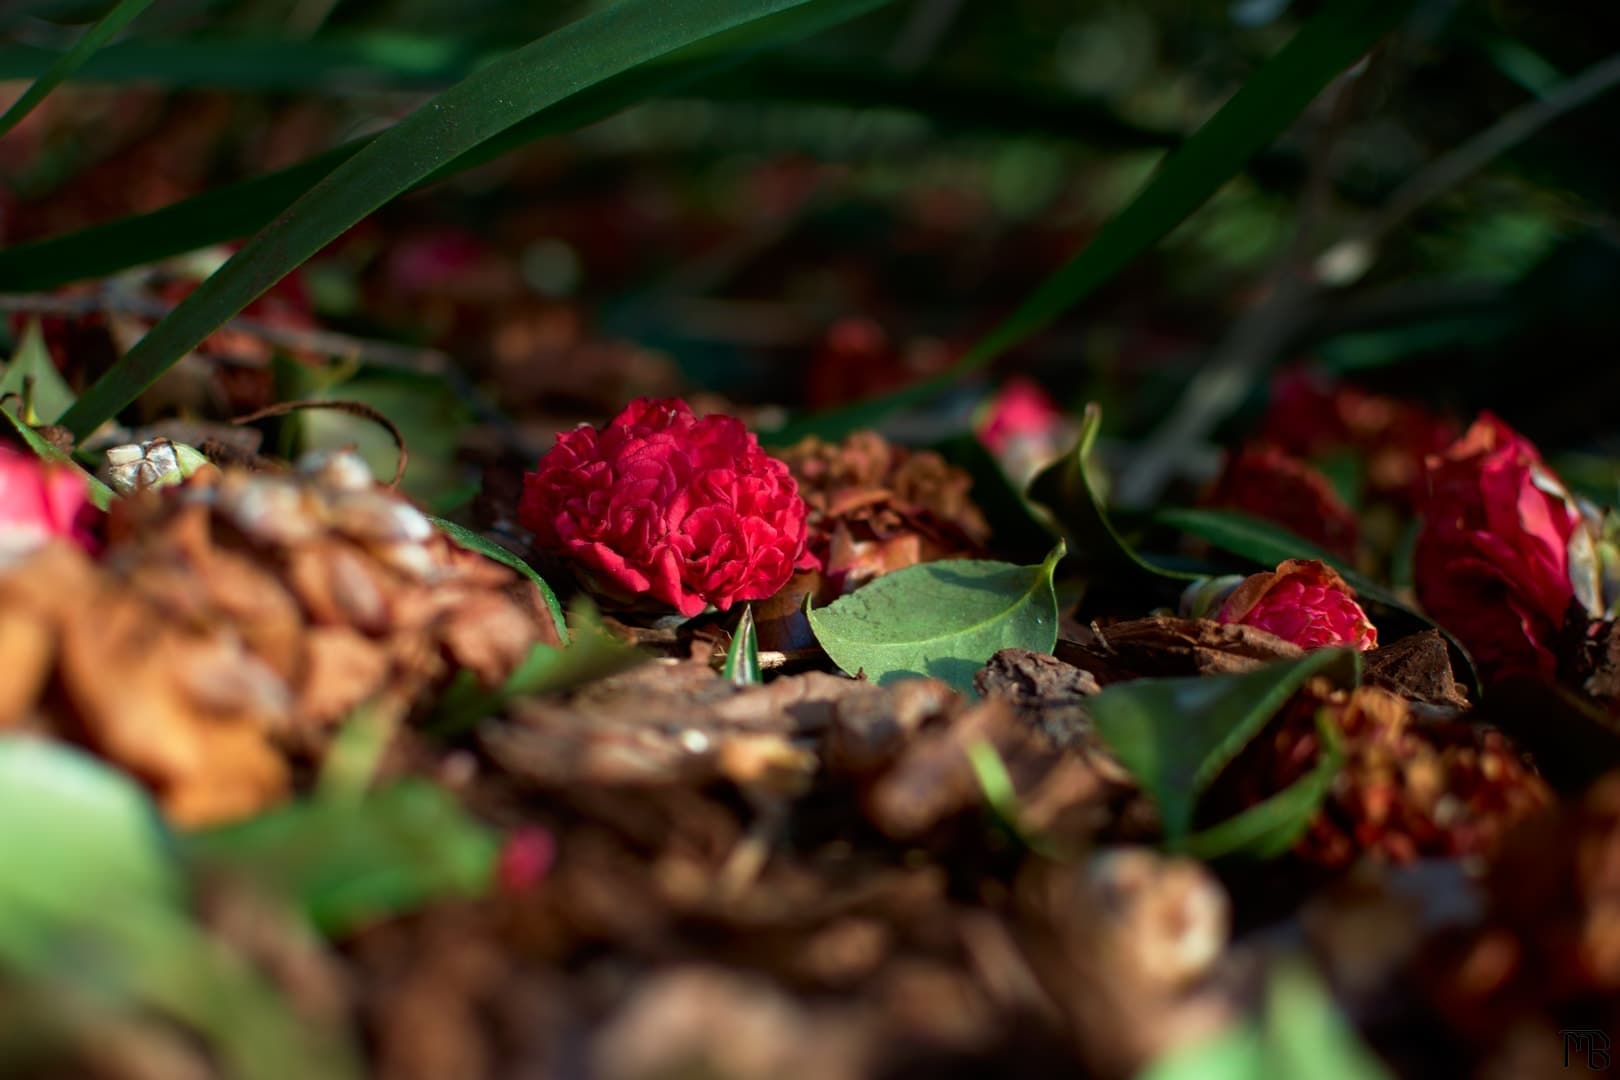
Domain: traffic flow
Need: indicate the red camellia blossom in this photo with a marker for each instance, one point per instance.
(665, 505)
(1265, 482)
(1303, 601)
(1492, 560)
(38, 502)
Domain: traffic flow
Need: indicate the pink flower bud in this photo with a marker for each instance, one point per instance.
(1303, 601)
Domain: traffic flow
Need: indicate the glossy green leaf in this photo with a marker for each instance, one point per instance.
(1176, 735)
(742, 656)
(1270, 827)
(513, 89)
(94, 38)
(1066, 489)
(101, 496)
(345, 863)
(1263, 108)
(491, 550)
(32, 376)
(940, 619)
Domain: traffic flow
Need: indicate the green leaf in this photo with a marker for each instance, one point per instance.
(33, 377)
(357, 750)
(101, 496)
(592, 653)
(573, 59)
(92, 876)
(1300, 1032)
(70, 61)
(1176, 735)
(742, 657)
(235, 210)
(1065, 487)
(1269, 544)
(941, 619)
(72, 827)
(1269, 828)
(1262, 109)
(491, 550)
(344, 863)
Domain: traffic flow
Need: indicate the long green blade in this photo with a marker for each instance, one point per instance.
(509, 91)
(70, 61)
(1338, 35)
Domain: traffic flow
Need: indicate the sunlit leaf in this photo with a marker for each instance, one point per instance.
(940, 619)
(32, 376)
(742, 656)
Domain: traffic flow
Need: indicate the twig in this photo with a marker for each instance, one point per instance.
(1223, 381)
(1352, 257)
(353, 408)
(929, 23)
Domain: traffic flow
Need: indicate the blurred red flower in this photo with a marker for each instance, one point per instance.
(1492, 560)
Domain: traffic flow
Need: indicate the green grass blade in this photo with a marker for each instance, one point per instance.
(1336, 37)
(330, 65)
(239, 209)
(70, 61)
(507, 92)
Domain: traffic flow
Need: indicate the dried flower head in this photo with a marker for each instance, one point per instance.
(664, 505)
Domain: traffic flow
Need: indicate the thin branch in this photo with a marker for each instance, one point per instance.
(1348, 260)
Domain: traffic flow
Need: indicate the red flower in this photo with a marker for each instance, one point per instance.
(1492, 560)
(1267, 483)
(1302, 601)
(1312, 414)
(662, 504)
(39, 501)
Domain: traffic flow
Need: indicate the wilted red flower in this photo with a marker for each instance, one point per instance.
(1492, 560)
(39, 501)
(1267, 483)
(1311, 414)
(1303, 601)
(665, 505)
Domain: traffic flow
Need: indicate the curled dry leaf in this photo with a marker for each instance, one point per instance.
(234, 619)
(876, 507)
